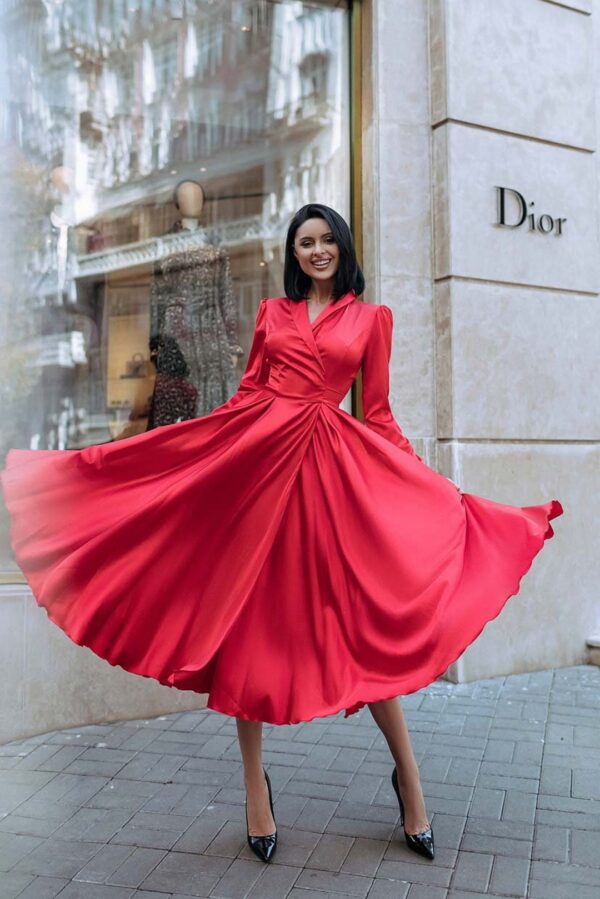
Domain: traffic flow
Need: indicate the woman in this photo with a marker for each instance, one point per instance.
(278, 554)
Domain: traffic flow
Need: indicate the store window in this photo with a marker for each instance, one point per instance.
(153, 154)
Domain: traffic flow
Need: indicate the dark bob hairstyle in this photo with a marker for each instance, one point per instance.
(348, 276)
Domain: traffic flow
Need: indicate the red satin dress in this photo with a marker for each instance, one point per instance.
(277, 554)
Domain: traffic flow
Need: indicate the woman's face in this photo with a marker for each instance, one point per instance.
(317, 252)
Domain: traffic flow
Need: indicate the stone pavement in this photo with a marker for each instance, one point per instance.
(152, 809)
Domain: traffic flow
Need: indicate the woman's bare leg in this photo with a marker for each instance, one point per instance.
(260, 819)
(389, 717)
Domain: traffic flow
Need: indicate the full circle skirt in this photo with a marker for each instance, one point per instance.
(277, 555)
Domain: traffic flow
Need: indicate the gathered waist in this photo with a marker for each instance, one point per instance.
(327, 395)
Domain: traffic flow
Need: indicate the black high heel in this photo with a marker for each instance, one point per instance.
(263, 846)
(418, 842)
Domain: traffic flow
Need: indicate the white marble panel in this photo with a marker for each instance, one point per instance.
(402, 60)
(438, 62)
(584, 6)
(412, 392)
(521, 66)
(404, 184)
(12, 654)
(516, 363)
(557, 608)
(54, 683)
(559, 182)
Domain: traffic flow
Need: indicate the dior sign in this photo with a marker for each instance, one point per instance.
(545, 223)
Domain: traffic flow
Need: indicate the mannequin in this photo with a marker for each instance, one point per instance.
(192, 303)
(188, 198)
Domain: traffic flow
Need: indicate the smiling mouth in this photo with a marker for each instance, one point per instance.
(322, 264)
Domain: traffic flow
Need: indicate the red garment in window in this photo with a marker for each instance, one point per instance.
(277, 554)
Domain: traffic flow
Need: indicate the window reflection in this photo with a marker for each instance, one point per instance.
(126, 306)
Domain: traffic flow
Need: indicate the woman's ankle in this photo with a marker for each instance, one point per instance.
(408, 773)
(254, 777)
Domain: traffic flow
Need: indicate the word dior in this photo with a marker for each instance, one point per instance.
(544, 223)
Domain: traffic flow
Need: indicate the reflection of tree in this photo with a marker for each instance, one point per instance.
(21, 195)
(18, 379)
(25, 242)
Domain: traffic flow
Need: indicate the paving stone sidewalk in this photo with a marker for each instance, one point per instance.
(151, 809)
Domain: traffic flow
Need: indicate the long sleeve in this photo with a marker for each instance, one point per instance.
(376, 381)
(257, 366)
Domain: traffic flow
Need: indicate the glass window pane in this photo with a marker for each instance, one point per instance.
(153, 154)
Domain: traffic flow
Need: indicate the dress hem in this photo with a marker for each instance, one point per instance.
(350, 707)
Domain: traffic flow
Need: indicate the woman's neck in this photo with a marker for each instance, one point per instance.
(320, 293)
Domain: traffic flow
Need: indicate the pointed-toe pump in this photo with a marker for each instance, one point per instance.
(419, 842)
(263, 846)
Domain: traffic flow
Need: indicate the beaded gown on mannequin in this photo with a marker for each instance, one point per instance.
(192, 304)
(277, 554)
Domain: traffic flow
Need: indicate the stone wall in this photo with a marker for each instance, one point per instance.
(495, 367)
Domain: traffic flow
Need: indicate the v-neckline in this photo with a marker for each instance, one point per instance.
(309, 330)
(317, 317)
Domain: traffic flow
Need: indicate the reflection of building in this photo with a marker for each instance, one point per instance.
(249, 98)
(306, 102)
